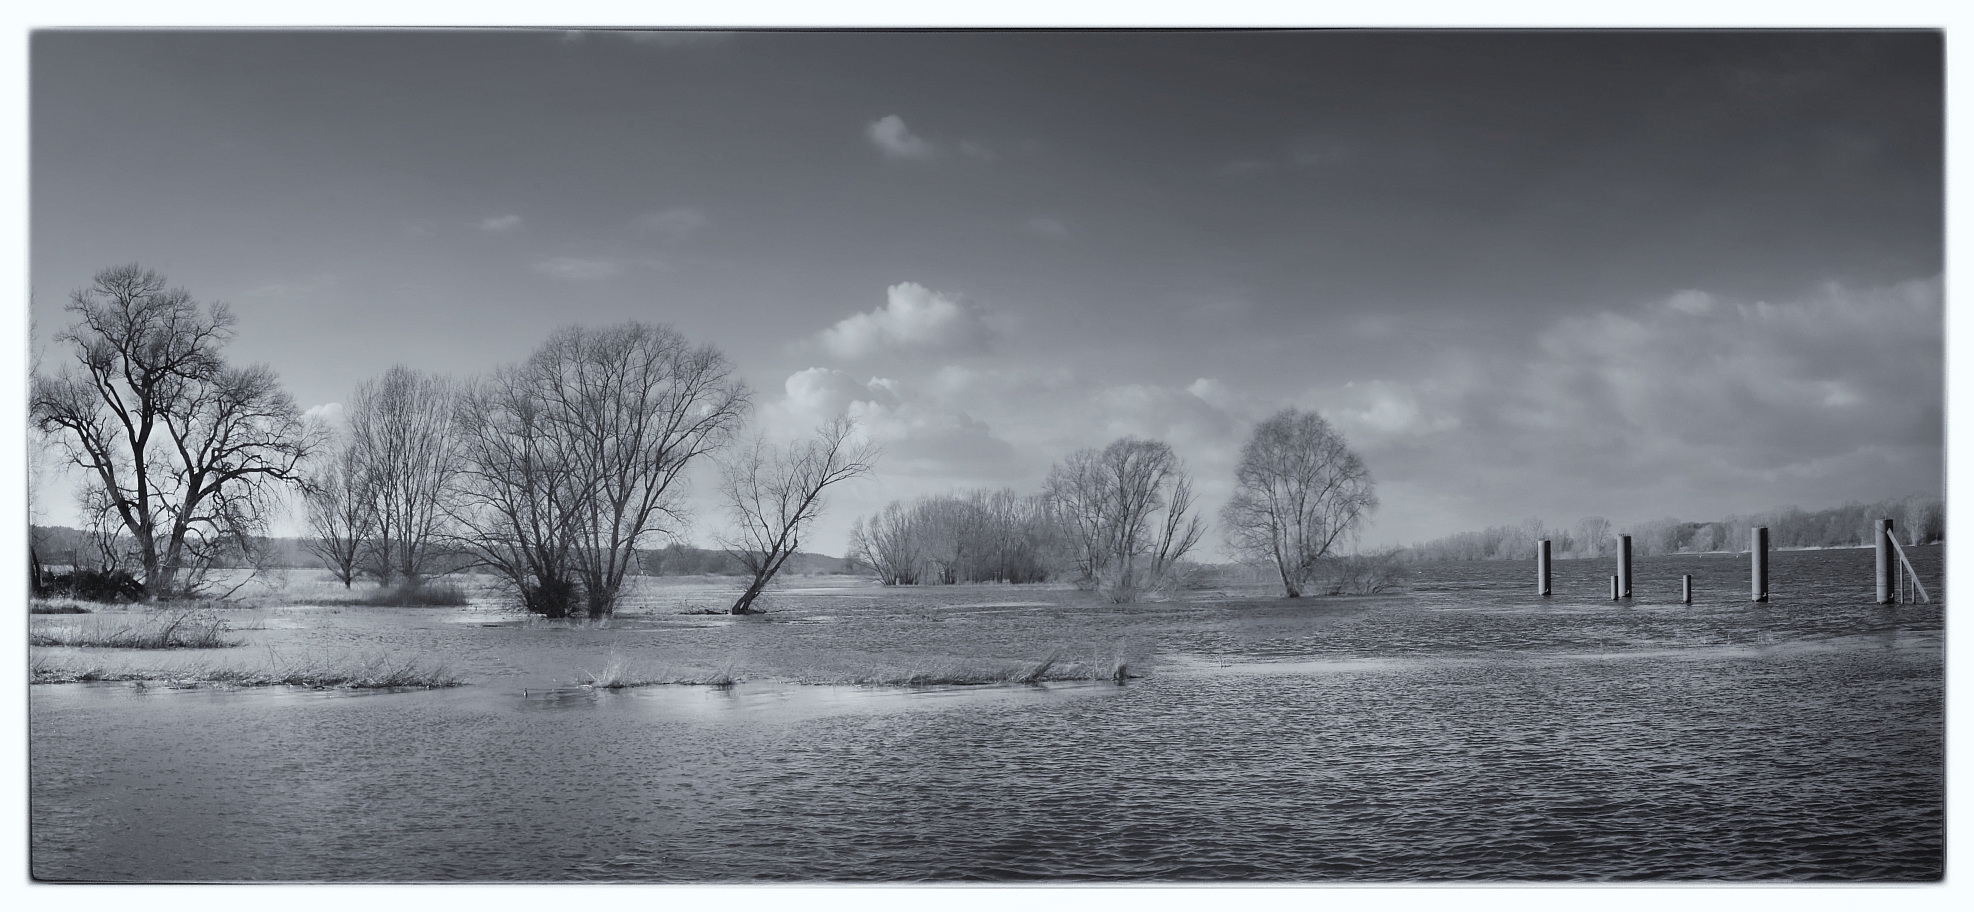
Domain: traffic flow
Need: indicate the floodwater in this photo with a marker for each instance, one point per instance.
(1466, 730)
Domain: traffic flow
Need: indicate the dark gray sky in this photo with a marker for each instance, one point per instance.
(1541, 275)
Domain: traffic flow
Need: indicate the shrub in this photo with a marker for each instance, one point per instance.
(1363, 574)
(92, 585)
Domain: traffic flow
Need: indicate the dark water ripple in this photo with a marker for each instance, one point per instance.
(1466, 732)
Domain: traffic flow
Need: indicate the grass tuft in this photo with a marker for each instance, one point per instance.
(616, 675)
(169, 630)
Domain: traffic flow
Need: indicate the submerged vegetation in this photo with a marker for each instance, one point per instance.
(362, 673)
(195, 629)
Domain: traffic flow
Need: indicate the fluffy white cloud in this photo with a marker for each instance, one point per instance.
(895, 140)
(329, 413)
(578, 269)
(913, 320)
(500, 223)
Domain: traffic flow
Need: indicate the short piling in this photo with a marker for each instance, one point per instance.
(1542, 568)
(1758, 568)
(1614, 588)
(1686, 589)
(1882, 537)
(1624, 566)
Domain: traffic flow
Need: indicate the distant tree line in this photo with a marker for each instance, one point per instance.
(1122, 519)
(1916, 520)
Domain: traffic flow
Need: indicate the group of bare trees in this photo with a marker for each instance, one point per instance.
(1122, 518)
(379, 495)
(554, 472)
(968, 537)
(1127, 513)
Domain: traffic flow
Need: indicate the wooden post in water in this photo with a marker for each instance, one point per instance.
(1882, 536)
(1624, 566)
(1614, 588)
(1758, 569)
(1542, 568)
(1686, 589)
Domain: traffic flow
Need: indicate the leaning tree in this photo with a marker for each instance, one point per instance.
(183, 452)
(774, 494)
(1299, 491)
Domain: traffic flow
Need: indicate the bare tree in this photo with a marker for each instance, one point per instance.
(775, 495)
(341, 518)
(572, 457)
(1299, 491)
(888, 541)
(184, 452)
(1128, 512)
(1593, 536)
(520, 502)
(404, 462)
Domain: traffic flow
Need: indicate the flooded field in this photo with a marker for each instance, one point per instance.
(1464, 730)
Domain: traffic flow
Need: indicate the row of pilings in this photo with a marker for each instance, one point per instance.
(1886, 572)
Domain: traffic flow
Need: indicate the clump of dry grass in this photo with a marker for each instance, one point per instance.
(55, 606)
(167, 630)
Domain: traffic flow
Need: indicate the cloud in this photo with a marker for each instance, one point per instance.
(578, 269)
(500, 223)
(330, 413)
(913, 320)
(1693, 406)
(671, 225)
(892, 138)
(1046, 227)
(972, 149)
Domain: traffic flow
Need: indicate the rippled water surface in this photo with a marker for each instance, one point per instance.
(1463, 730)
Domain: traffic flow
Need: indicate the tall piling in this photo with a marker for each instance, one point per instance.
(1624, 566)
(1686, 589)
(1542, 568)
(1882, 537)
(1758, 568)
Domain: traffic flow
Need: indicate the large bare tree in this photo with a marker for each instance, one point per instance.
(573, 457)
(1128, 512)
(1299, 491)
(406, 458)
(774, 495)
(184, 452)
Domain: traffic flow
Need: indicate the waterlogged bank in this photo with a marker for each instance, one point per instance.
(1465, 730)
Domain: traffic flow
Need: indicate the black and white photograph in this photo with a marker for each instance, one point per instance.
(1111, 456)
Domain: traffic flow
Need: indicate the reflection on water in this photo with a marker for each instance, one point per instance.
(1466, 731)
